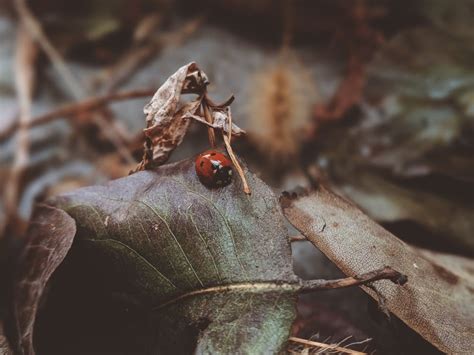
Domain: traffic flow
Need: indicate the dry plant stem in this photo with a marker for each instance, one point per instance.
(325, 346)
(69, 110)
(297, 238)
(236, 163)
(227, 140)
(25, 57)
(386, 273)
(110, 130)
(210, 131)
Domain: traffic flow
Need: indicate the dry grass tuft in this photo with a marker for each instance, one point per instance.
(304, 346)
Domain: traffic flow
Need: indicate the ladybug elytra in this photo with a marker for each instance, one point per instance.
(214, 169)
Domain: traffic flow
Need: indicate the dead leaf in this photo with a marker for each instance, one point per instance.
(49, 238)
(165, 123)
(436, 302)
(179, 249)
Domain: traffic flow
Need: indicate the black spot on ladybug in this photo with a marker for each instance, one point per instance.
(202, 164)
(212, 154)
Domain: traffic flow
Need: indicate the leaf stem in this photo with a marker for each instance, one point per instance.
(210, 131)
(386, 273)
(71, 109)
(236, 163)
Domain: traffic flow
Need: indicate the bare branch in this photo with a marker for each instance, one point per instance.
(297, 238)
(386, 273)
(72, 109)
(110, 129)
(25, 57)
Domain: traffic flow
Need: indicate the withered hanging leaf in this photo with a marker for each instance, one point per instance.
(49, 238)
(165, 123)
(436, 302)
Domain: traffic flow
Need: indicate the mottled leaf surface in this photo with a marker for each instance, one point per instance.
(436, 302)
(49, 239)
(168, 236)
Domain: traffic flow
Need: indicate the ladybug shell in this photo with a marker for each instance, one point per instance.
(214, 169)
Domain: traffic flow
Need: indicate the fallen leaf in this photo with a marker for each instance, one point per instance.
(49, 238)
(188, 254)
(436, 302)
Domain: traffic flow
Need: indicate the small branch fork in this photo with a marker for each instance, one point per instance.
(207, 107)
(386, 273)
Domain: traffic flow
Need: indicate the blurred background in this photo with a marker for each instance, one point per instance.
(372, 98)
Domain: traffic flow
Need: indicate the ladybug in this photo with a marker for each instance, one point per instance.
(214, 169)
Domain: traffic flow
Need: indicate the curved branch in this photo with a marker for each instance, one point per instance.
(69, 110)
(386, 273)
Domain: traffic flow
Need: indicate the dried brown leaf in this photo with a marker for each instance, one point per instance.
(436, 302)
(165, 122)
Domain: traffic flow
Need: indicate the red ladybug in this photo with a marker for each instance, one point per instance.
(214, 169)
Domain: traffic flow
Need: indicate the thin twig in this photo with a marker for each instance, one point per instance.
(25, 57)
(72, 109)
(227, 140)
(110, 130)
(297, 238)
(325, 346)
(386, 273)
(302, 285)
(210, 131)
(246, 187)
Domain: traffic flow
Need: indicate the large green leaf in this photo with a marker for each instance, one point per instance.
(211, 268)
